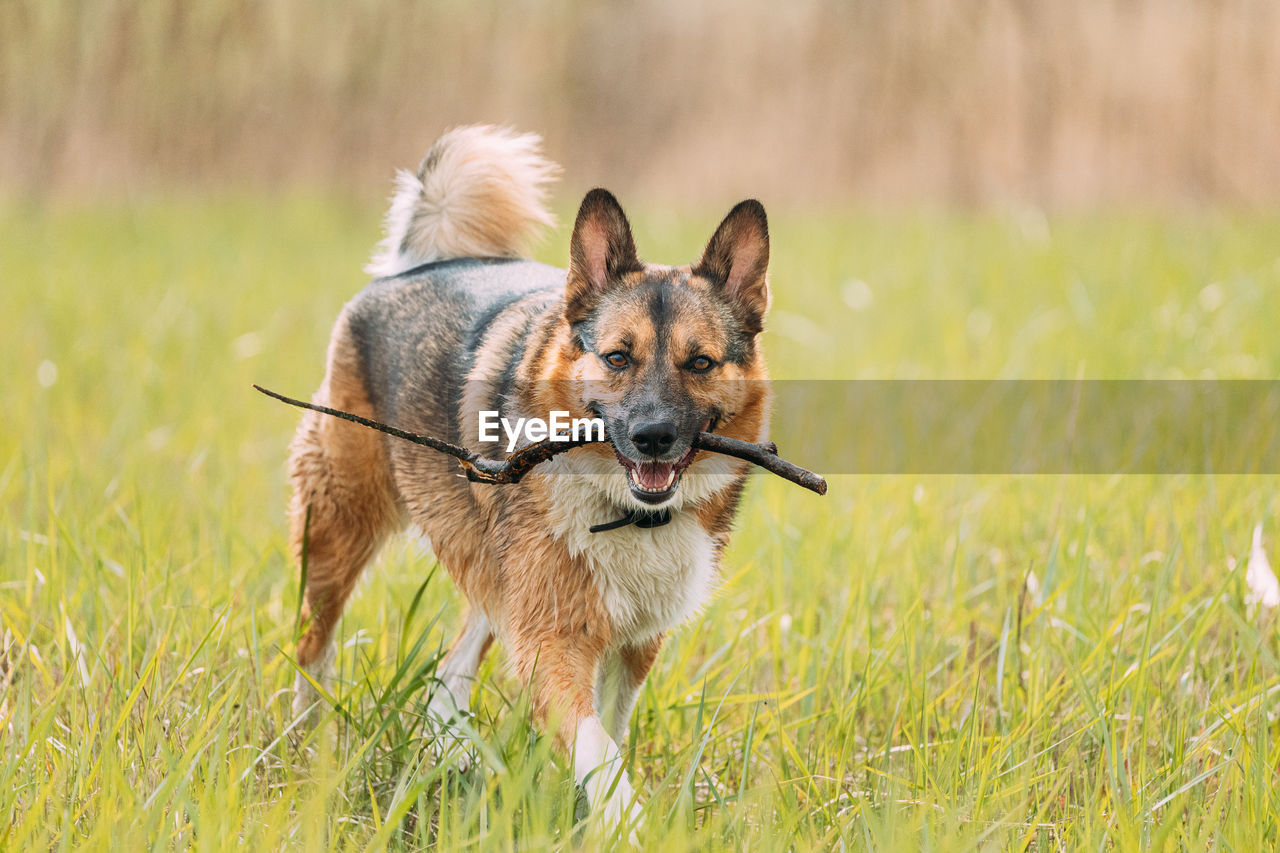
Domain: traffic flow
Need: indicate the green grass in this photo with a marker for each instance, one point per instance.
(873, 673)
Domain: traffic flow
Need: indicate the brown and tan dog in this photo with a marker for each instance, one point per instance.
(454, 325)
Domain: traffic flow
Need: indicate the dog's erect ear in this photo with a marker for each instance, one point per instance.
(600, 251)
(737, 259)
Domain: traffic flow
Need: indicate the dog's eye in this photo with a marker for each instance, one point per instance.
(617, 360)
(701, 364)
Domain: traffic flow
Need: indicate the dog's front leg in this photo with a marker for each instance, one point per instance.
(597, 768)
(621, 678)
(563, 668)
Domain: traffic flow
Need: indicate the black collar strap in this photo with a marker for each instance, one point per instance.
(638, 517)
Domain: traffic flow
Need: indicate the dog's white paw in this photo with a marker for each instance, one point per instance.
(624, 812)
(617, 808)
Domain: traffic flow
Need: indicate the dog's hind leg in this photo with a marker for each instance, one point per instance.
(343, 506)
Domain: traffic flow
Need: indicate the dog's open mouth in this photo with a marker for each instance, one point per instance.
(655, 482)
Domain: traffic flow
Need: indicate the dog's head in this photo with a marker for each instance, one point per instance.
(661, 353)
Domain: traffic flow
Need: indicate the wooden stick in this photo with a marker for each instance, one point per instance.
(764, 455)
(481, 469)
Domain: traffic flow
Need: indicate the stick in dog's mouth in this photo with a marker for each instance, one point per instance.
(481, 469)
(654, 482)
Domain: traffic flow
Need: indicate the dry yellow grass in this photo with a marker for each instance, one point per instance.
(1049, 102)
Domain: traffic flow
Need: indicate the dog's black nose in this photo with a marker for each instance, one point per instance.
(653, 438)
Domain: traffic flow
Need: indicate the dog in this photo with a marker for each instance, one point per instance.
(455, 323)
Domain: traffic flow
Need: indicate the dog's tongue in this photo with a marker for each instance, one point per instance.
(655, 476)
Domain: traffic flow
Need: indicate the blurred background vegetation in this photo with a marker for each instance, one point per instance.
(1050, 103)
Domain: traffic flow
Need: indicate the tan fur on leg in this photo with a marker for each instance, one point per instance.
(342, 505)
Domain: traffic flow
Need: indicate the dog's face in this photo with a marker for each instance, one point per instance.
(661, 353)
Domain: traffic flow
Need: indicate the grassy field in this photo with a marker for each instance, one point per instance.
(876, 670)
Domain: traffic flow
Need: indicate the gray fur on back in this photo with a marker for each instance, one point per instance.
(418, 333)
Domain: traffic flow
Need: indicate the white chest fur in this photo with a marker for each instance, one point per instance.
(650, 580)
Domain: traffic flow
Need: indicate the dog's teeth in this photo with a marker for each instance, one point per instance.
(634, 475)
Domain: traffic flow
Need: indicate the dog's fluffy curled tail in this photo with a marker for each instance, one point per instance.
(480, 192)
